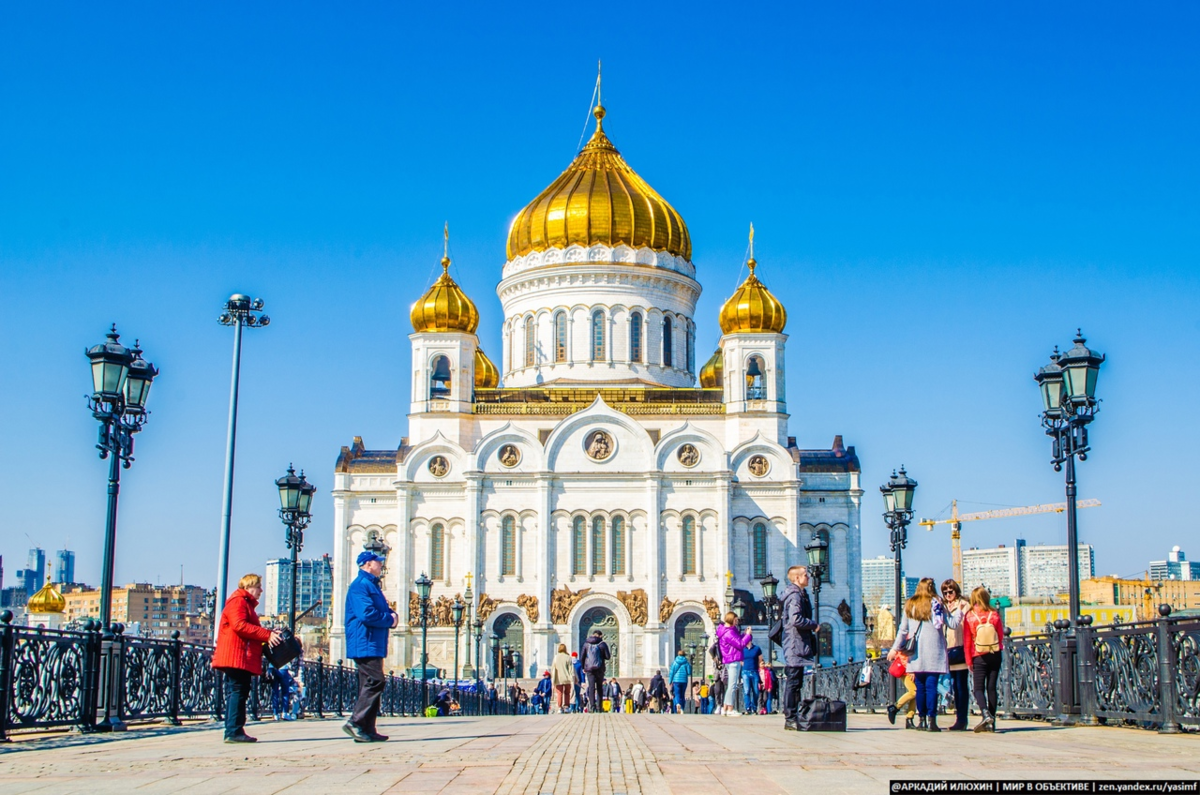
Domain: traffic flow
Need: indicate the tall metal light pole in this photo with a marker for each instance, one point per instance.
(478, 640)
(770, 584)
(897, 501)
(1068, 386)
(424, 584)
(240, 310)
(121, 381)
(457, 610)
(295, 500)
(818, 561)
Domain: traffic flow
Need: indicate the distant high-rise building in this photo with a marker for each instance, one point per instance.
(879, 582)
(35, 570)
(314, 581)
(1175, 567)
(156, 610)
(64, 566)
(1024, 571)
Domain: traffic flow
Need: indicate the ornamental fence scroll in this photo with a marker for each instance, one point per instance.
(1144, 674)
(53, 679)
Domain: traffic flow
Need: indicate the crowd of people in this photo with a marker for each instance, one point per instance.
(940, 640)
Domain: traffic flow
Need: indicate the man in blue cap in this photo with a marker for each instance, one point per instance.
(368, 619)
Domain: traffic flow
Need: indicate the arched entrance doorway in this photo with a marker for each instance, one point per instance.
(603, 619)
(689, 631)
(511, 653)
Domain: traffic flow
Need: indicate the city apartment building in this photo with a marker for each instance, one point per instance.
(1145, 595)
(314, 582)
(1032, 572)
(1175, 567)
(879, 582)
(157, 610)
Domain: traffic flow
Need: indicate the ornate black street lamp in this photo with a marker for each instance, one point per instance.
(240, 310)
(469, 599)
(1068, 386)
(424, 584)
(457, 610)
(897, 502)
(504, 662)
(295, 501)
(121, 381)
(478, 641)
(818, 563)
(495, 644)
(770, 586)
(704, 658)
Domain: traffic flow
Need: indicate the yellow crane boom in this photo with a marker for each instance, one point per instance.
(956, 519)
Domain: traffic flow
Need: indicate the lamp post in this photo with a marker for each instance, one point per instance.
(424, 584)
(240, 310)
(121, 381)
(1068, 386)
(478, 640)
(504, 658)
(295, 501)
(818, 561)
(770, 586)
(495, 644)
(469, 598)
(897, 502)
(457, 610)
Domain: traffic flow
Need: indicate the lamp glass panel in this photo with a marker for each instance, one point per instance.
(306, 495)
(889, 500)
(904, 498)
(1076, 374)
(137, 389)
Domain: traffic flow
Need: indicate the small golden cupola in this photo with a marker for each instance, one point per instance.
(487, 376)
(445, 307)
(712, 374)
(47, 600)
(599, 199)
(752, 308)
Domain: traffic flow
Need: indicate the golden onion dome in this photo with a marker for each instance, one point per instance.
(599, 199)
(487, 376)
(752, 308)
(712, 374)
(445, 307)
(47, 600)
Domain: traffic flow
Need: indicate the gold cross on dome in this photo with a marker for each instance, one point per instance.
(728, 578)
(469, 575)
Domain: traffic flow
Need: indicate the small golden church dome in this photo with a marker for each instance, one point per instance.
(445, 307)
(712, 374)
(47, 600)
(752, 308)
(599, 199)
(487, 376)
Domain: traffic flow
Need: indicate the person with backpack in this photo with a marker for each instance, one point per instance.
(920, 635)
(658, 692)
(983, 643)
(680, 673)
(799, 641)
(595, 655)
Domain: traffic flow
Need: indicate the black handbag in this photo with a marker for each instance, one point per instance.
(909, 646)
(288, 649)
(821, 714)
(956, 656)
(775, 633)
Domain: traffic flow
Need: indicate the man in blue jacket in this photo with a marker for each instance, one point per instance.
(368, 619)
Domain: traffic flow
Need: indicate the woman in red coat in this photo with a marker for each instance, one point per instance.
(239, 652)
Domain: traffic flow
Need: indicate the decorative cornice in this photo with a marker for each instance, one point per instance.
(598, 254)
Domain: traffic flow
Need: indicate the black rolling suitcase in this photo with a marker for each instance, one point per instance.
(821, 714)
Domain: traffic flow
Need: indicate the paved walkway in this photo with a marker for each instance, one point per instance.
(601, 754)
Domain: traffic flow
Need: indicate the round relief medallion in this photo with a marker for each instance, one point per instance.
(509, 455)
(758, 465)
(599, 445)
(439, 466)
(688, 455)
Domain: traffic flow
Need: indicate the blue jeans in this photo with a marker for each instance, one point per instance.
(750, 691)
(239, 683)
(680, 691)
(927, 694)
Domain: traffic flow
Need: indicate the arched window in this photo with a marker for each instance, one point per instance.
(824, 536)
(437, 552)
(756, 384)
(439, 378)
(530, 342)
(560, 337)
(618, 545)
(598, 545)
(579, 546)
(825, 641)
(760, 550)
(689, 545)
(635, 337)
(598, 336)
(666, 340)
(508, 545)
(691, 347)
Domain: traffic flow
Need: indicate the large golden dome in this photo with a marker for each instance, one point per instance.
(599, 199)
(487, 376)
(752, 308)
(712, 374)
(445, 307)
(47, 600)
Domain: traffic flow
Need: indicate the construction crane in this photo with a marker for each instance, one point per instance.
(955, 521)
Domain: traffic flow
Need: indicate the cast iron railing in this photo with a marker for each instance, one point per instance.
(1144, 674)
(54, 678)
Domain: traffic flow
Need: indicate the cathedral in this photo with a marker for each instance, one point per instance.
(597, 479)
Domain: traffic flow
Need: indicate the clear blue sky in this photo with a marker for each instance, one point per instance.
(942, 192)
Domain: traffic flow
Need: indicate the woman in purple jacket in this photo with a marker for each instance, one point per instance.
(731, 643)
